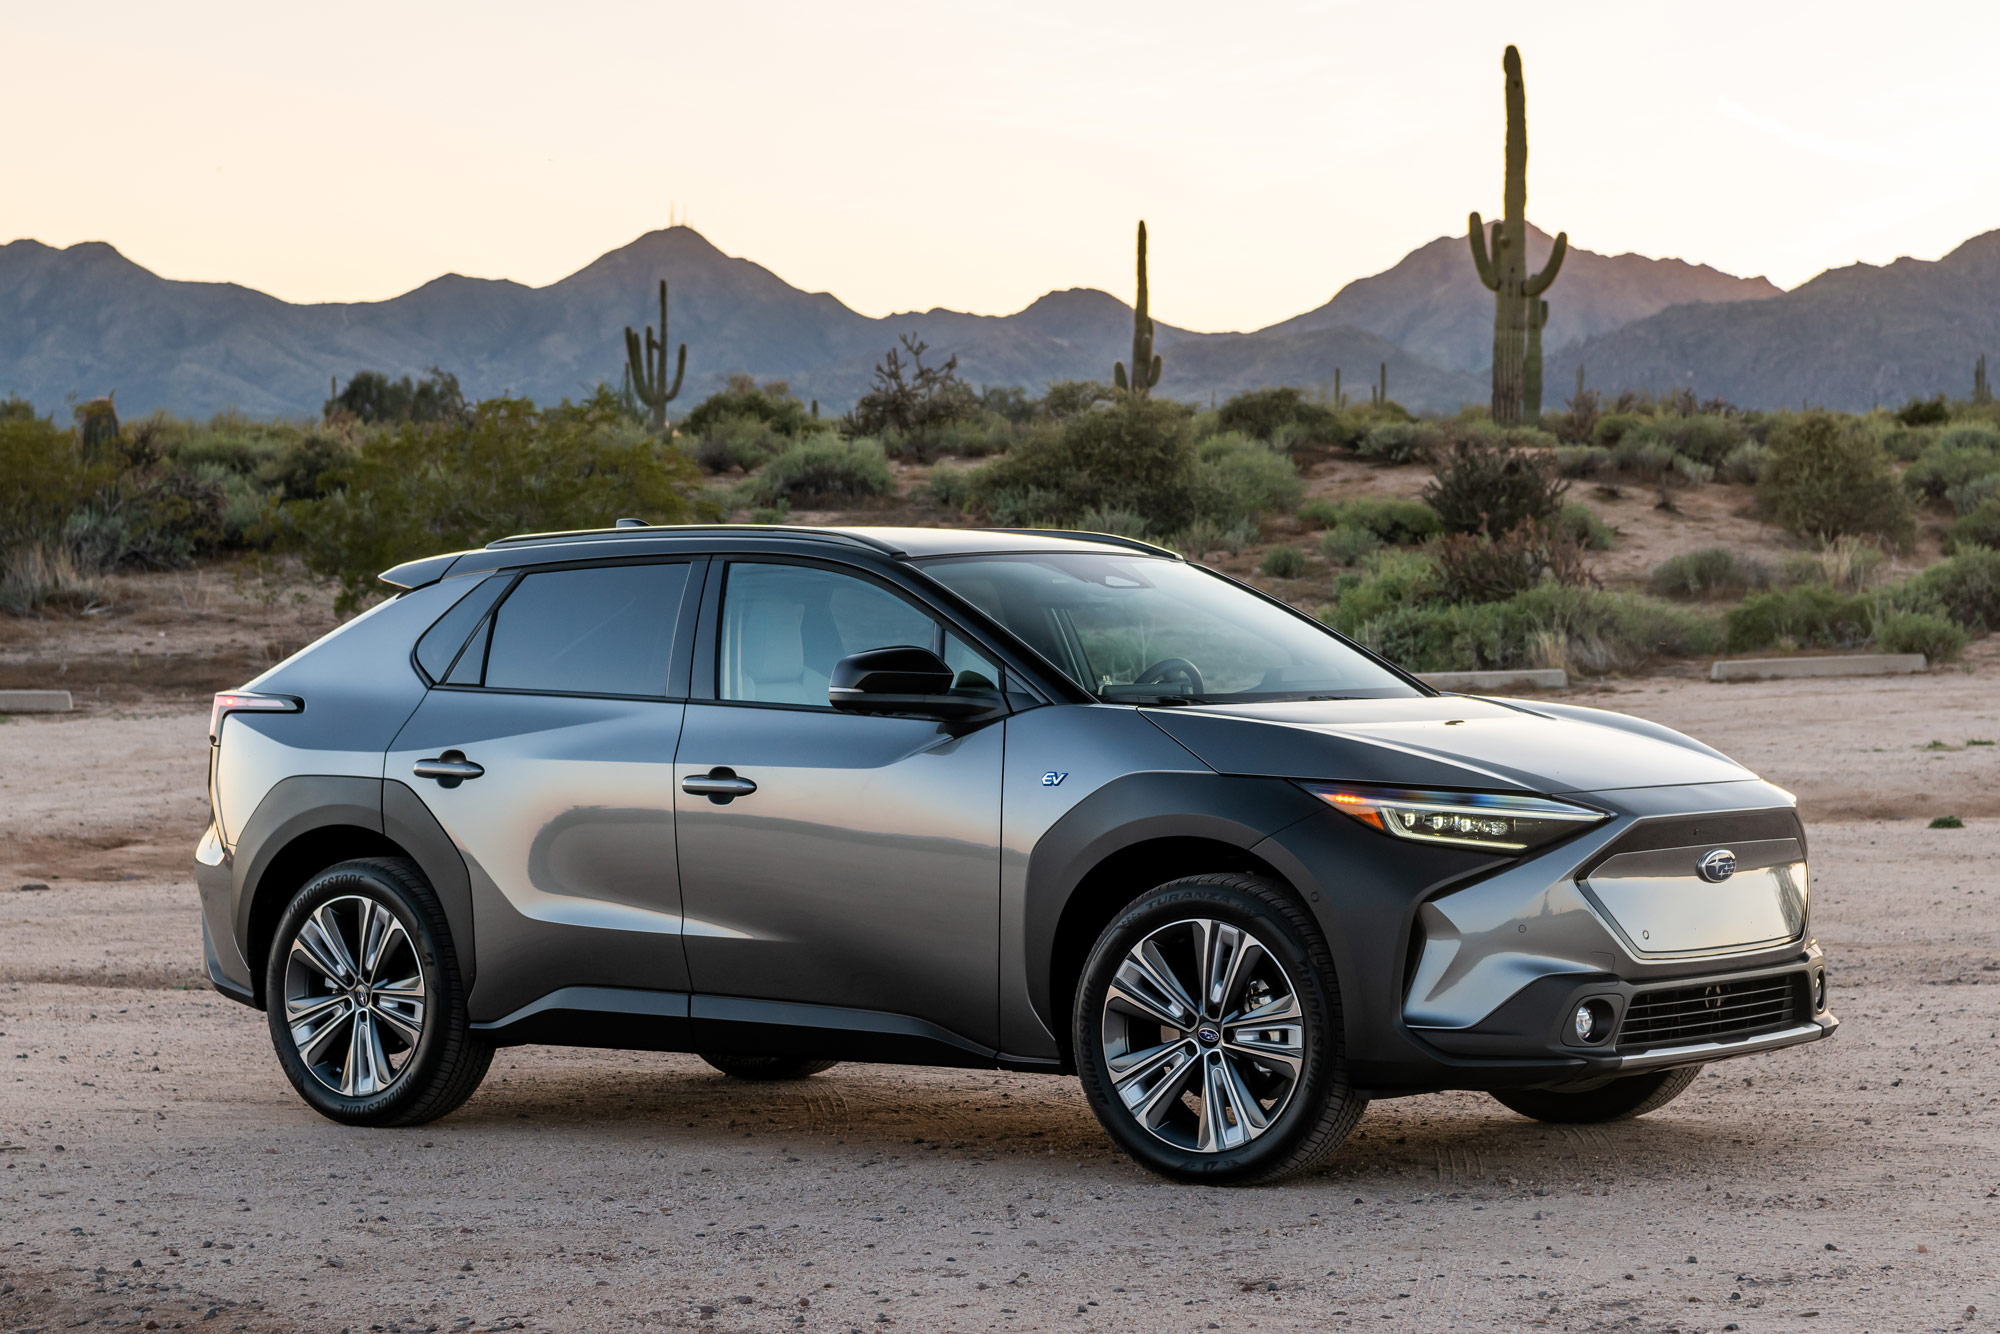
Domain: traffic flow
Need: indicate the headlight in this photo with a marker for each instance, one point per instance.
(1460, 819)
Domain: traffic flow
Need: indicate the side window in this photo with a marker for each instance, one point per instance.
(785, 626)
(602, 631)
(440, 644)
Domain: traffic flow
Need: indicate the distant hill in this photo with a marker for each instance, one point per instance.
(1433, 304)
(1851, 338)
(86, 320)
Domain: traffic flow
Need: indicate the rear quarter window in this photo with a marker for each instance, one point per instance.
(606, 630)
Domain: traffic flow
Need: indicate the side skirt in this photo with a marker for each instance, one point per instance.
(631, 1019)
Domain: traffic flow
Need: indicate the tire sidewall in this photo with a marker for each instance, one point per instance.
(1315, 988)
(361, 880)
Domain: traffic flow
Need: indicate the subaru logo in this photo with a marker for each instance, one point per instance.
(1717, 866)
(1209, 1037)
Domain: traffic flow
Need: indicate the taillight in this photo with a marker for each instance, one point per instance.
(238, 701)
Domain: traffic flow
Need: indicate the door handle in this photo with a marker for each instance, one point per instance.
(720, 785)
(449, 769)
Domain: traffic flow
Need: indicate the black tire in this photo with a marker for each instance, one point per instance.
(765, 1067)
(437, 1072)
(1321, 1107)
(1620, 1100)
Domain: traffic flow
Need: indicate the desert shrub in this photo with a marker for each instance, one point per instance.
(372, 397)
(1283, 562)
(1979, 527)
(1961, 455)
(1905, 443)
(1009, 402)
(729, 442)
(1707, 573)
(1388, 581)
(1930, 633)
(39, 576)
(743, 399)
(1965, 588)
(508, 467)
(1580, 524)
(1825, 479)
(1266, 413)
(1705, 438)
(949, 487)
(43, 478)
(1969, 496)
(1138, 455)
(1615, 426)
(1242, 477)
(1346, 543)
(1115, 522)
(1809, 616)
(1391, 519)
(1643, 455)
(1064, 399)
(1581, 460)
(1583, 629)
(912, 399)
(1744, 464)
(1925, 412)
(1846, 563)
(1473, 567)
(975, 436)
(1476, 486)
(825, 469)
(1578, 424)
(1396, 442)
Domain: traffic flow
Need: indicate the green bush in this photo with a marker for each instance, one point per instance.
(1581, 460)
(1615, 426)
(1243, 478)
(508, 467)
(1390, 519)
(1707, 573)
(743, 399)
(1905, 443)
(1744, 464)
(1580, 524)
(1978, 528)
(372, 397)
(1396, 442)
(1956, 457)
(43, 479)
(949, 487)
(1478, 486)
(1643, 455)
(1473, 567)
(824, 469)
(1346, 543)
(1846, 563)
(1826, 479)
(1935, 636)
(1268, 413)
(1925, 412)
(1283, 562)
(728, 442)
(1965, 588)
(1705, 437)
(1809, 616)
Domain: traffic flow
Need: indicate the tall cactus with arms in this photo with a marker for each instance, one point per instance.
(1145, 361)
(1518, 310)
(648, 367)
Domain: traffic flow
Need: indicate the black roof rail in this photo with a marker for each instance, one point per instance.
(1108, 539)
(695, 530)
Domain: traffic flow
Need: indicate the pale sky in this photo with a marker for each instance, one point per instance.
(909, 155)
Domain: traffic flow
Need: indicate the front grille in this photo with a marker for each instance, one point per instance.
(1716, 1012)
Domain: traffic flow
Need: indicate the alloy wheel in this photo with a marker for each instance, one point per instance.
(355, 1000)
(1203, 1035)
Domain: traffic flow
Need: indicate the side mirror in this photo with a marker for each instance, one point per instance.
(903, 679)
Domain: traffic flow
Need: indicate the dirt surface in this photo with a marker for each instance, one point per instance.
(156, 1171)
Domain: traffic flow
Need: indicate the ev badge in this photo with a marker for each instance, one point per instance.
(1718, 866)
(1053, 779)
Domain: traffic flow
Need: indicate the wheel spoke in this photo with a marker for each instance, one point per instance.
(1135, 1066)
(375, 933)
(405, 1017)
(319, 946)
(1270, 1035)
(1217, 1130)
(315, 1043)
(1147, 984)
(1233, 956)
(367, 1068)
(1152, 1105)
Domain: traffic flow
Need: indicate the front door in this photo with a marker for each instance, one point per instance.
(562, 703)
(859, 867)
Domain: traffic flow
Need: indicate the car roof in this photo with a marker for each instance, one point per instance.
(635, 538)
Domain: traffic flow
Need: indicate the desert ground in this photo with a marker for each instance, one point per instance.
(156, 1171)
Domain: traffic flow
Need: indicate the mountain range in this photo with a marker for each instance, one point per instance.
(85, 320)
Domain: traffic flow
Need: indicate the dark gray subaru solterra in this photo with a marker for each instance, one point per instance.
(1045, 801)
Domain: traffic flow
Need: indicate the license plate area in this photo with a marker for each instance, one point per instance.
(1660, 902)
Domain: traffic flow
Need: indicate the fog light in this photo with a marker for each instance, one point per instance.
(1592, 1021)
(1819, 991)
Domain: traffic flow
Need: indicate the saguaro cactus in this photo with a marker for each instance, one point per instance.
(1518, 311)
(1982, 392)
(1145, 362)
(648, 369)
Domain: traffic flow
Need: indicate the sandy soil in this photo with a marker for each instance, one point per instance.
(157, 1172)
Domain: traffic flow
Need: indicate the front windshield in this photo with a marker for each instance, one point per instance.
(1143, 629)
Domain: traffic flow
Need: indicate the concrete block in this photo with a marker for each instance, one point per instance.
(1845, 664)
(1487, 683)
(34, 701)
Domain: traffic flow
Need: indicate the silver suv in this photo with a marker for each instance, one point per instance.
(1043, 801)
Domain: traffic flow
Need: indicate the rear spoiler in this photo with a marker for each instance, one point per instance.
(417, 573)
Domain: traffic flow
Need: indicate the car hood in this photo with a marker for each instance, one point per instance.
(1449, 741)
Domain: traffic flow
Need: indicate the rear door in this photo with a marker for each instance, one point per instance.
(545, 749)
